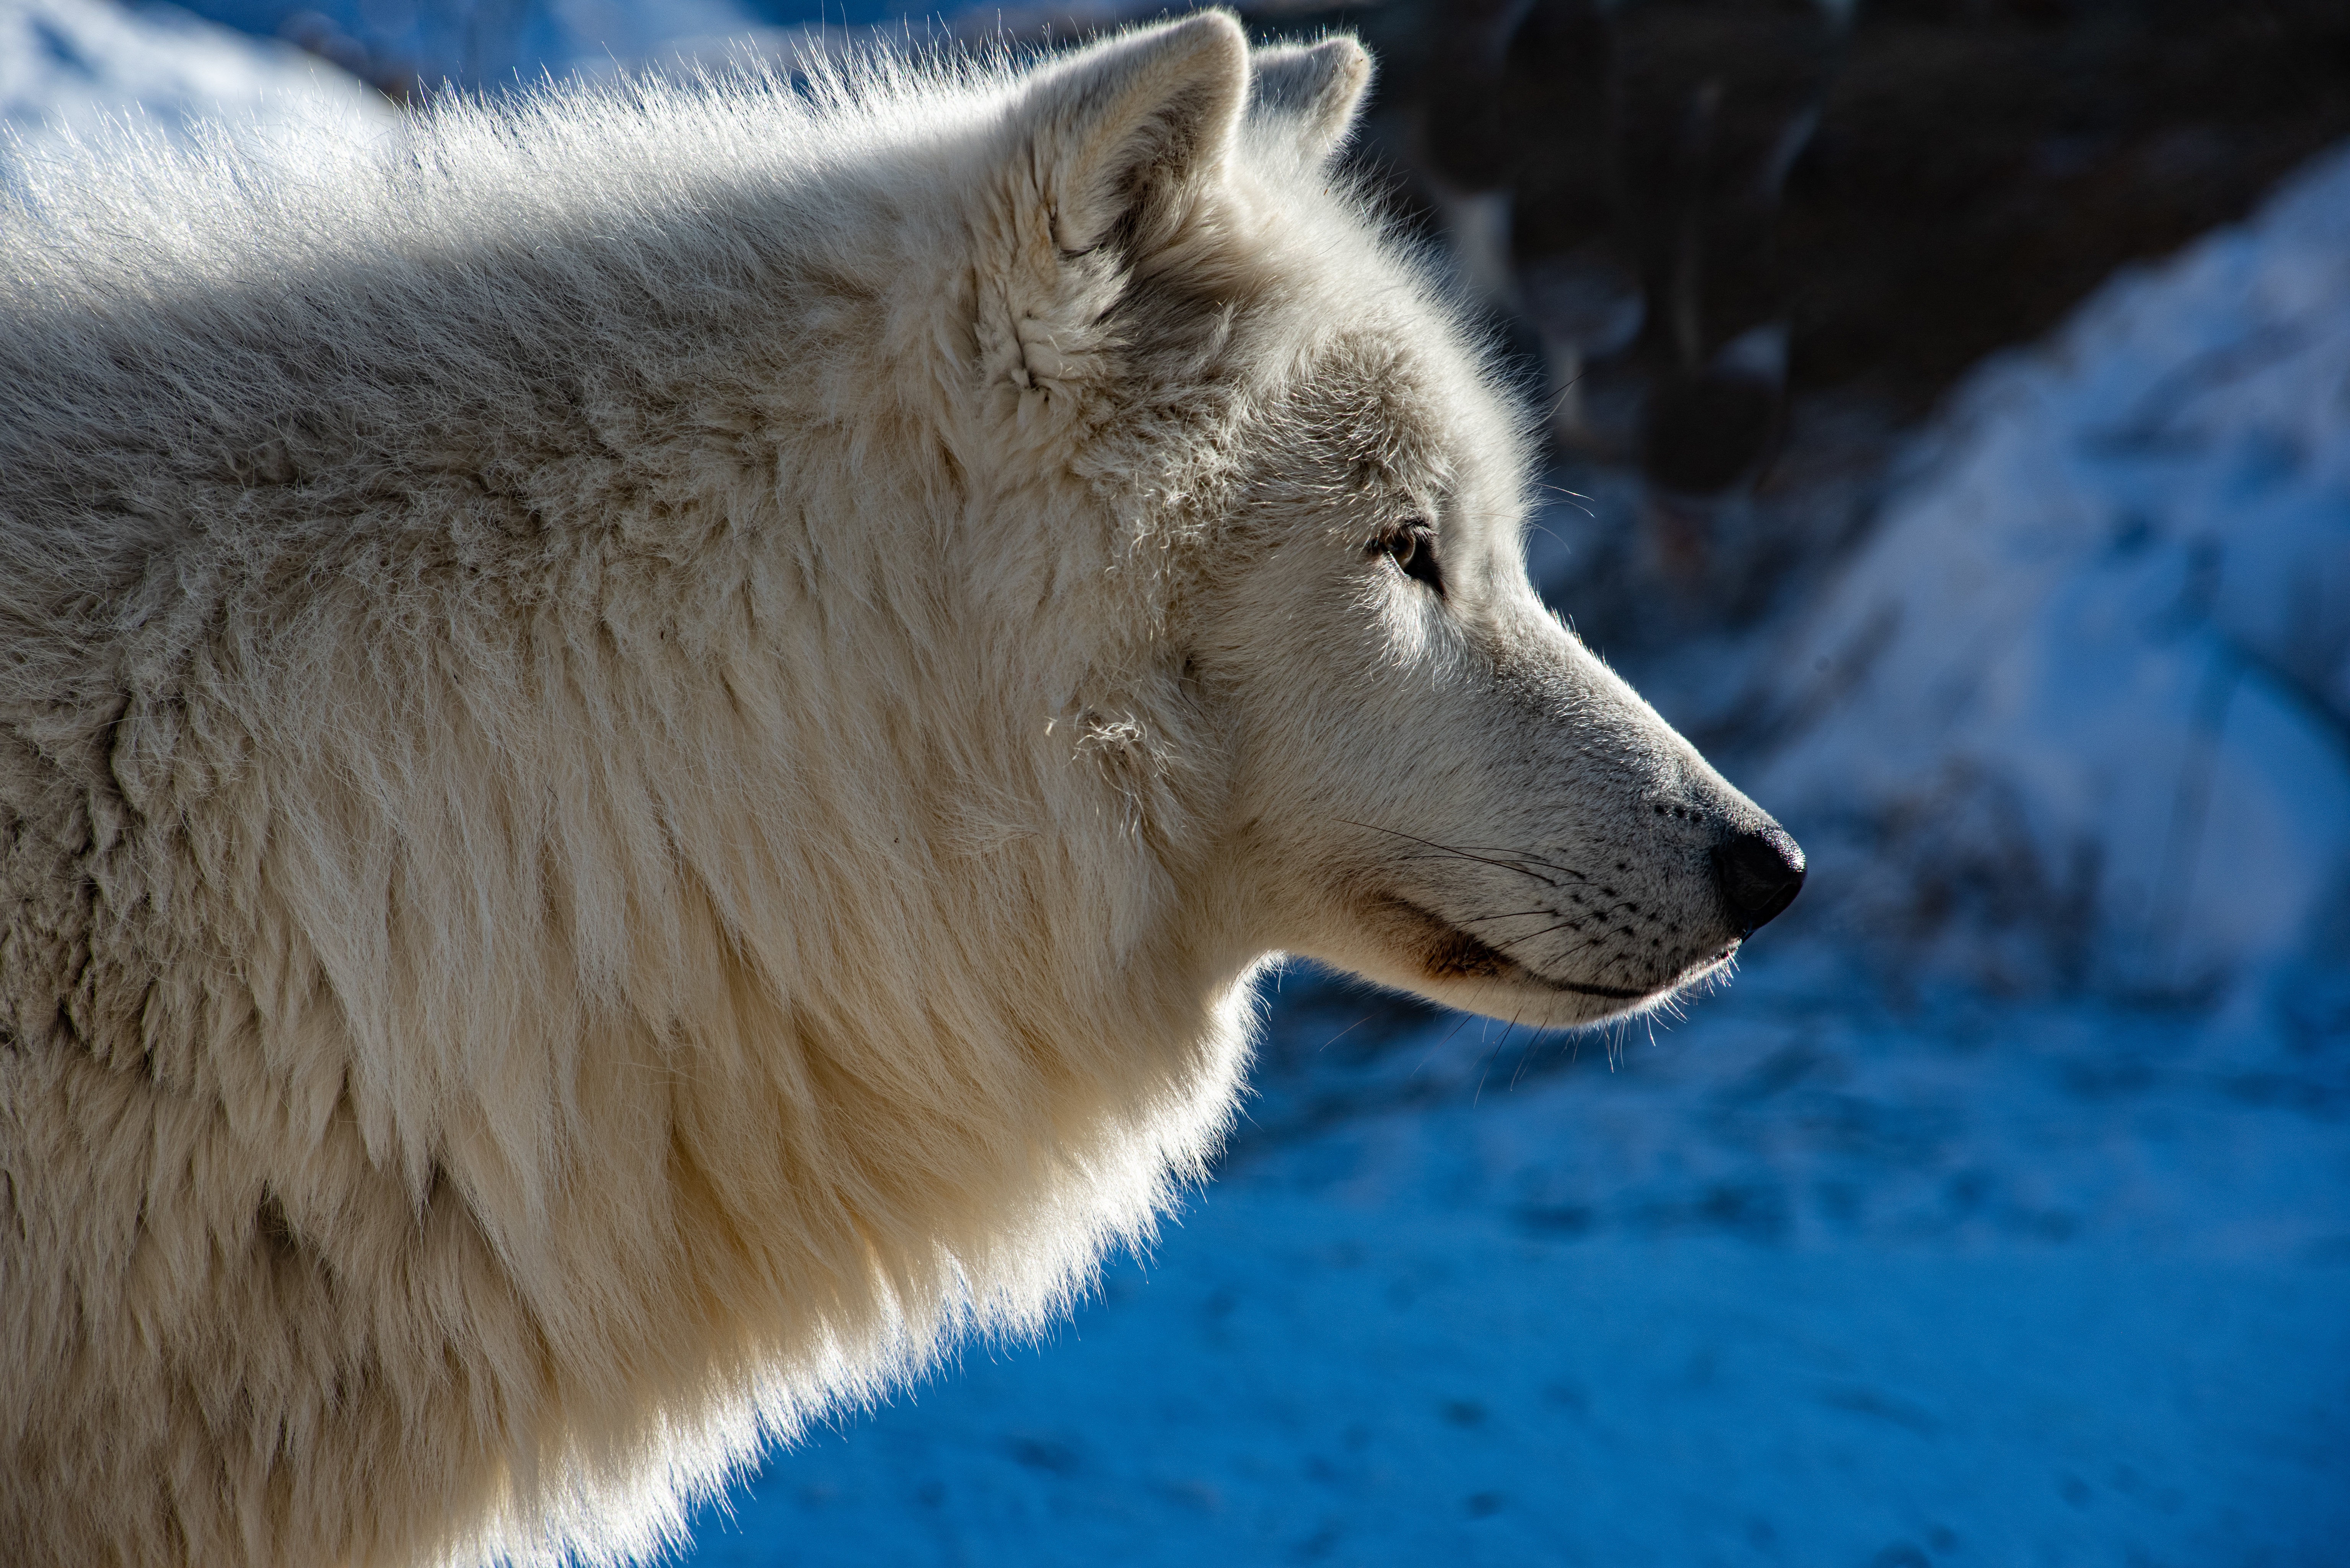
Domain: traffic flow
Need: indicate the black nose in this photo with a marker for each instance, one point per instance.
(1759, 873)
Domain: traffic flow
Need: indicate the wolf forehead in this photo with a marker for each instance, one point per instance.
(1308, 375)
(1275, 300)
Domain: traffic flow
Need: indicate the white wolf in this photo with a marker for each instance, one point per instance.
(646, 746)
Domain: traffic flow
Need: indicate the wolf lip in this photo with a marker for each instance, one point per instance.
(1445, 952)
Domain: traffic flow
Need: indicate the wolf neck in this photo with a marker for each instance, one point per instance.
(614, 718)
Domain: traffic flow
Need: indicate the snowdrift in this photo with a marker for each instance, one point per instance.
(2079, 712)
(78, 68)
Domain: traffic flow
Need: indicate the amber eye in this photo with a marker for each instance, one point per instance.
(1411, 545)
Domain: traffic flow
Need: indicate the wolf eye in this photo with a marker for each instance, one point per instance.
(1411, 545)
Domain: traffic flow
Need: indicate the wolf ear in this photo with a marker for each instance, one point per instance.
(1317, 88)
(1124, 130)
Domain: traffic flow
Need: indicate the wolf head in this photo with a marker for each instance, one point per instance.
(1200, 337)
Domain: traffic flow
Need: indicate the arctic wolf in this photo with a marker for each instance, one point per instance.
(648, 740)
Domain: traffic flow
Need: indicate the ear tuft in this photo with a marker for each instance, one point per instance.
(1124, 130)
(1316, 88)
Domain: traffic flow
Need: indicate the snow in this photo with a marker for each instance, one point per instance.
(1805, 1281)
(1676, 1406)
(2098, 653)
(76, 66)
(2000, 1212)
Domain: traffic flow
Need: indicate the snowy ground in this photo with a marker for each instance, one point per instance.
(1803, 1281)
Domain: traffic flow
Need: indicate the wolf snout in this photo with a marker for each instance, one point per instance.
(1760, 871)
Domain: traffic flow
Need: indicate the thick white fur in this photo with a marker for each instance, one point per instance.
(647, 741)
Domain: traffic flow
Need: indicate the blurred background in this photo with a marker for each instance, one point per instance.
(1948, 405)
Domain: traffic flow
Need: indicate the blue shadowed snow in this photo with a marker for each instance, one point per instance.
(1686, 1403)
(1802, 1281)
(2095, 660)
(73, 66)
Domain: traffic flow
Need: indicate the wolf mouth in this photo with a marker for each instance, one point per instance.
(1447, 953)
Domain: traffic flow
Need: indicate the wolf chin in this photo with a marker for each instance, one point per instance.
(647, 740)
